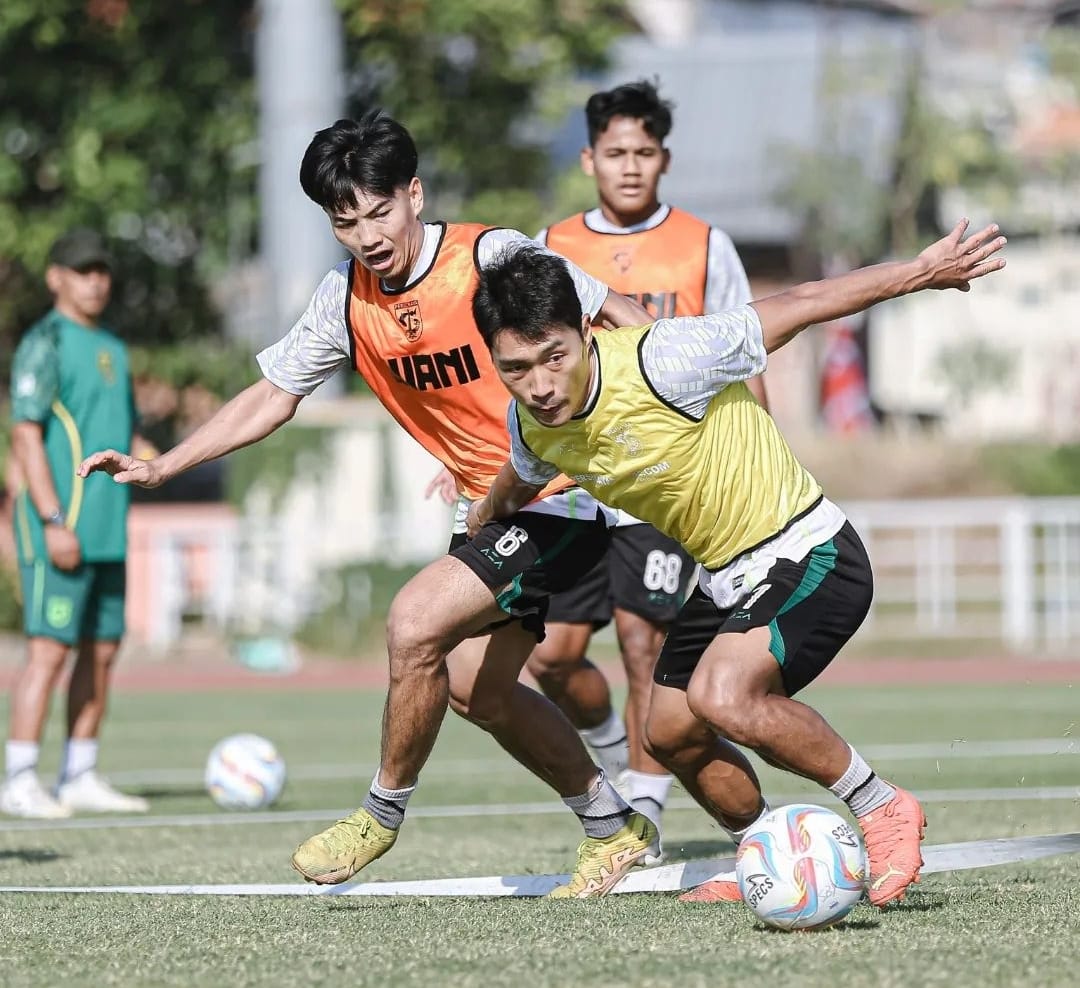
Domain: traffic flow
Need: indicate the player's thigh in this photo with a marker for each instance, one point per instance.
(54, 600)
(103, 618)
(640, 641)
(526, 558)
(439, 607)
(649, 572)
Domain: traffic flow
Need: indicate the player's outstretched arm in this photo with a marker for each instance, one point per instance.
(952, 262)
(506, 496)
(250, 416)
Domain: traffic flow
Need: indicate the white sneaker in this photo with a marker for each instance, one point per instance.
(89, 792)
(24, 795)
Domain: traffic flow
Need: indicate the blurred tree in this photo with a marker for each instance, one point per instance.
(480, 83)
(137, 119)
(849, 212)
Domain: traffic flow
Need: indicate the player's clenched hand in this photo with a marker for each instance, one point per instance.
(954, 262)
(123, 469)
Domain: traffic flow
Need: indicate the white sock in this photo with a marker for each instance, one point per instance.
(608, 742)
(738, 835)
(648, 793)
(601, 810)
(860, 788)
(20, 756)
(645, 785)
(80, 755)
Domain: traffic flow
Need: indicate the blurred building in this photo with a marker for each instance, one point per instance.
(761, 86)
(756, 85)
(999, 362)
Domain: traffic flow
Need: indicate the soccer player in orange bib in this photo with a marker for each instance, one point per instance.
(674, 264)
(657, 420)
(399, 313)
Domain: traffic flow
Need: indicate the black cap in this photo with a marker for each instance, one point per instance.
(80, 248)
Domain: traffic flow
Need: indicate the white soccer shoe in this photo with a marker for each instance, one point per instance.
(24, 795)
(90, 793)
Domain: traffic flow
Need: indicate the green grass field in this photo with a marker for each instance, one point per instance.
(1008, 925)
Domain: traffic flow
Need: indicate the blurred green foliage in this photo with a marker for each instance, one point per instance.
(219, 367)
(848, 211)
(353, 603)
(480, 84)
(1037, 470)
(296, 450)
(11, 615)
(138, 120)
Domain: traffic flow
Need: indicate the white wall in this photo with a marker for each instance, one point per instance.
(1030, 312)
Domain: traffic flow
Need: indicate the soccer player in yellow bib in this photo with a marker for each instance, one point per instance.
(674, 264)
(657, 420)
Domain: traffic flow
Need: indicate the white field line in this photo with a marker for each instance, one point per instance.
(224, 818)
(669, 878)
(469, 767)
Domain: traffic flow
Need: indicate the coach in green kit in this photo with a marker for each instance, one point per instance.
(70, 393)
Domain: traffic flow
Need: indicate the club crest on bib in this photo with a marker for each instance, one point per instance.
(105, 366)
(408, 316)
(622, 258)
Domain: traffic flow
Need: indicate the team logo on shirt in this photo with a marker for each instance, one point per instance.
(408, 316)
(105, 366)
(622, 258)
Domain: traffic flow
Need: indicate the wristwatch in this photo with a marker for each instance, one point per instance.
(56, 518)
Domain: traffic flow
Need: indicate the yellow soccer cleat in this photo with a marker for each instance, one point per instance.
(340, 851)
(603, 862)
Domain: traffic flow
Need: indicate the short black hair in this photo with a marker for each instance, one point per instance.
(526, 289)
(637, 100)
(374, 154)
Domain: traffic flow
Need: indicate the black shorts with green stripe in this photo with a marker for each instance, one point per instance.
(811, 608)
(527, 557)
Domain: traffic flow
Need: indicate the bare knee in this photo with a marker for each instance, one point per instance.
(559, 655)
(727, 706)
(671, 744)
(46, 656)
(412, 638)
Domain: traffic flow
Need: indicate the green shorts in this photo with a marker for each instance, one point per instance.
(85, 604)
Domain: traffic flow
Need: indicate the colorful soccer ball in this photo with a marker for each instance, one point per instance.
(801, 867)
(244, 772)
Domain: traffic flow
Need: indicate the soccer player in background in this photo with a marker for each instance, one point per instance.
(70, 391)
(674, 264)
(399, 312)
(657, 420)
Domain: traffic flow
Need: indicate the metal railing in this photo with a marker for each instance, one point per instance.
(997, 570)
